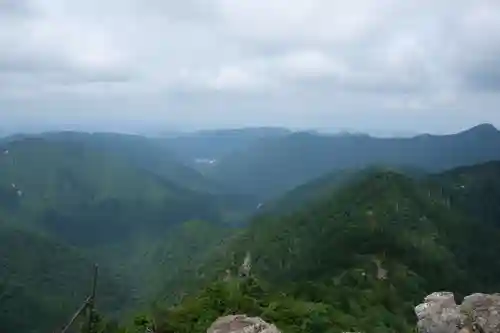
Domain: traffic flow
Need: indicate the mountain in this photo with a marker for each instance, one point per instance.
(87, 196)
(358, 258)
(315, 189)
(100, 198)
(353, 250)
(146, 153)
(43, 282)
(272, 166)
(211, 145)
(476, 189)
(182, 251)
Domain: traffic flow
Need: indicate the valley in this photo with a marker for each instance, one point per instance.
(343, 233)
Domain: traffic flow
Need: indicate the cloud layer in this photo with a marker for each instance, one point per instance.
(132, 64)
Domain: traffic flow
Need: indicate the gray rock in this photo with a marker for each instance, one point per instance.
(478, 313)
(241, 324)
(483, 310)
(245, 268)
(438, 314)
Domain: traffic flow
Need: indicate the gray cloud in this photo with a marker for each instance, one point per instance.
(208, 63)
(14, 8)
(481, 70)
(485, 76)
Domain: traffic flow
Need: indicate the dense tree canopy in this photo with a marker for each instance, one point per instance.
(359, 259)
(354, 250)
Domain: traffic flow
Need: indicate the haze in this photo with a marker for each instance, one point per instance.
(149, 65)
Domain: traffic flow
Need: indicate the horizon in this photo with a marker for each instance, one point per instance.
(315, 131)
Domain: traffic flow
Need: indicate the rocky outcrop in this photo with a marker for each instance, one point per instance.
(478, 313)
(245, 268)
(241, 324)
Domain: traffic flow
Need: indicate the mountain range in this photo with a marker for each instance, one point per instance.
(340, 230)
(270, 167)
(105, 198)
(357, 258)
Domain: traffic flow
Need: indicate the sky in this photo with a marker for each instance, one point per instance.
(157, 65)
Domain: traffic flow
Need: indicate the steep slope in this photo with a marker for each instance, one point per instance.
(386, 212)
(85, 196)
(43, 282)
(317, 188)
(112, 210)
(358, 259)
(160, 159)
(181, 253)
(149, 154)
(475, 189)
(271, 167)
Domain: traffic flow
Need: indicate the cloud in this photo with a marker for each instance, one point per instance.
(225, 62)
(14, 8)
(479, 62)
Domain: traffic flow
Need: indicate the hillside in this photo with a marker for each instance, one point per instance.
(43, 282)
(273, 166)
(359, 242)
(383, 204)
(146, 153)
(215, 144)
(475, 189)
(358, 259)
(85, 196)
(155, 157)
(109, 209)
(319, 187)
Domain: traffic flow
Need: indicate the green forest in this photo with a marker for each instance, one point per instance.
(352, 246)
(356, 260)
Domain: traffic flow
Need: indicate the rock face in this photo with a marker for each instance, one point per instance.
(241, 324)
(478, 313)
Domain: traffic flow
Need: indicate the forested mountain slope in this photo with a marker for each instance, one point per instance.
(96, 202)
(43, 282)
(146, 153)
(358, 242)
(358, 259)
(85, 196)
(475, 189)
(324, 185)
(273, 166)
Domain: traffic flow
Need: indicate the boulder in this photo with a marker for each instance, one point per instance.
(483, 310)
(241, 324)
(478, 313)
(438, 314)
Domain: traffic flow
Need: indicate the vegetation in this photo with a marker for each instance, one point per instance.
(357, 260)
(86, 197)
(141, 152)
(64, 192)
(42, 282)
(354, 250)
(215, 144)
(271, 167)
(475, 189)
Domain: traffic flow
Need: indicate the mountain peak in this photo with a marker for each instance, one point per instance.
(482, 129)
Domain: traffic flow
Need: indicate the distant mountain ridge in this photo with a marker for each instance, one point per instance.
(270, 167)
(214, 144)
(144, 152)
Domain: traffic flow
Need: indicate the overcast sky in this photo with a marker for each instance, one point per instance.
(128, 65)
